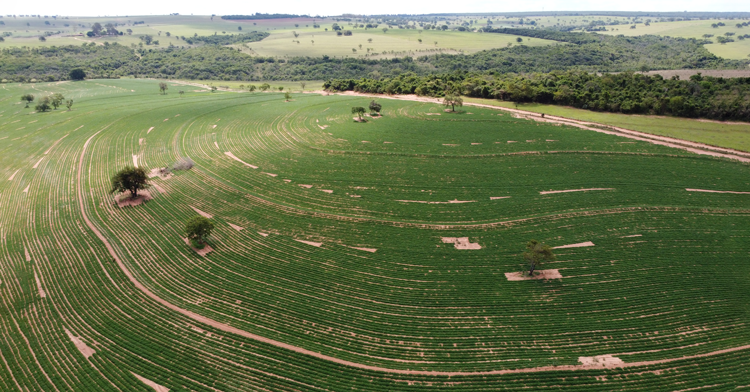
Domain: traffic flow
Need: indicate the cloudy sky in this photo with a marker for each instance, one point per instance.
(337, 7)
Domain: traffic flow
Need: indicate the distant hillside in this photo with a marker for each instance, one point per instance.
(257, 16)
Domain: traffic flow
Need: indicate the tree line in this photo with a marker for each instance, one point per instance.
(579, 51)
(628, 92)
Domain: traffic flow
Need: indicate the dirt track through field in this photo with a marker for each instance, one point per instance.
(233, 330)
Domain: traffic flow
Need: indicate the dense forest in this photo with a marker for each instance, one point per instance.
(578, 51)
(628, 92)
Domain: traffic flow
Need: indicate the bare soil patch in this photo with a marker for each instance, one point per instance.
(206, 249)
(124, 199)
(263, 234)
(500, 197)
(26, 253)
(160, 172)
(576, 190)
(140, 141)
(578, 245)
(39, 286)
(80, 345)
(710, 191)
(38, 162)
(631, 236)
(158, 188)
(229, 154)
(201, 213)
(432, 114)
(13, 175)
(155, 386)
(600, 360)
(149, 130)
(539, 274)
(238, 228)
(462, 243)
(316, 244)
(438, 202)
(371, 250)
(135, 160)
(326, 190)
(26, 190)
(305, 186)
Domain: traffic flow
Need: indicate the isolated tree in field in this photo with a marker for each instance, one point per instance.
(29, 98)
(56, 100)
(43, 105)
(453, 100)
(69, 104)
(281, 88)
(369, 40)
(359, 111)
(251, 88)
(197, 231)
(77, 74)
(385, 30)
(519, 40)
(537, 253)
(130, 179)
(374, 107)
(163, 88)
(265, 87)
(302, 84)
(287, 96)
(213, 89)
(182, 92)
(96, 28)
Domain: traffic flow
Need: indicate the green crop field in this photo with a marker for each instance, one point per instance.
(375, 256)
(737, 50)
(733, 135)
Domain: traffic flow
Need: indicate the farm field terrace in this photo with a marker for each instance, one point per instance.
(329, 268)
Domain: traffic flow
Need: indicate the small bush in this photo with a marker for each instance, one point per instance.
(183, 164)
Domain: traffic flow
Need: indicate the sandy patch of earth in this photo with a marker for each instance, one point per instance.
(26, 253)
(461, 243)
(323, 126)
(476, 144)
(371, 250)
(438, 202)
(355, 196)
(326, 190)
(631, 236)
(710, 191)
(238, 228)
(263, 234)
(158, 188)
(14, 175)
(305, 186)
(576, 190)
(578, 245)
(140, 141)
(80, 345)
(600, 360)
(39, 286)
(512, 141)
(135, 160)
(216, 144)
(433, 114)
(229, 154)
(124, 199)
(149, 130)
(155, 386)
(500, 197)
(538, 274)
(206, 249)
(271, 174)
(38, 162)
(26, 190)
(158, 172)
(451, 145)
(317, 244)
(201, 213)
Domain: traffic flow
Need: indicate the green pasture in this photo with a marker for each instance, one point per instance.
(730, 134)
(666, 281)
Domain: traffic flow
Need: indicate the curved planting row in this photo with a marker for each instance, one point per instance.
(664, 279)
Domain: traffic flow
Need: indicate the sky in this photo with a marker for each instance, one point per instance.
(338, 7)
